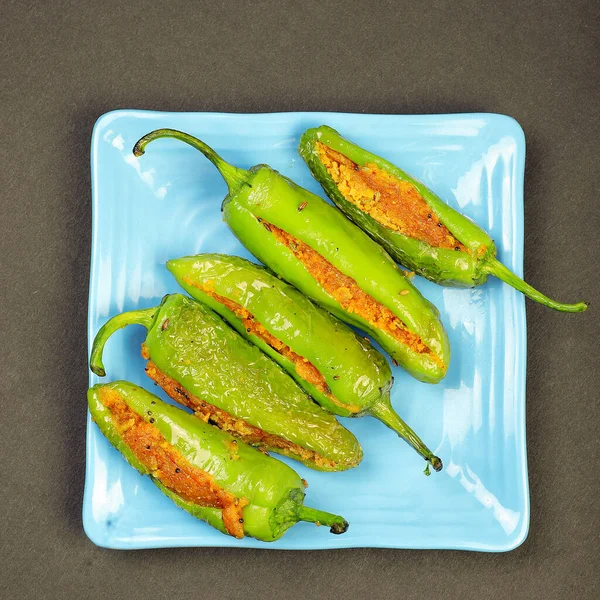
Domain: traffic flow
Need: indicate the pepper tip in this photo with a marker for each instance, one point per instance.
(98, 371)
(138, 150)
(437, 464)
(338, 528)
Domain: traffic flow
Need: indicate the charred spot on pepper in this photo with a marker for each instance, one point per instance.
(394, 203)
(165, 324)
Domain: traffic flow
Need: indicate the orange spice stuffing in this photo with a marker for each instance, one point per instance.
(393, 203)
(170, 467)
(234, 426)
(347, 292)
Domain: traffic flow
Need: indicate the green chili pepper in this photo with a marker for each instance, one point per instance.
(339, 369)
(204, 364)
(233, 487)
(414, 225)
(317, 249)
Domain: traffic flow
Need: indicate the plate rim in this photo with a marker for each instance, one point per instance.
(515, 129)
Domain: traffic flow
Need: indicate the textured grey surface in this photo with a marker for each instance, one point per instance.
(64, 63)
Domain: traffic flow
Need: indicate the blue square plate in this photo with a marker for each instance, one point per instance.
(168, 204)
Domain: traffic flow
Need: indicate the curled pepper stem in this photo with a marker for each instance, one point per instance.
(336, 523)
(134, 317)
(234, 176)
(383, 411)
(494, 267)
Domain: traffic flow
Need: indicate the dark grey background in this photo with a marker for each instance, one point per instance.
(63, 64)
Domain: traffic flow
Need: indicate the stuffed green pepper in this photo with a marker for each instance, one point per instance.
(414, 225)
(342, 371)
(207, 472)
(205, 365)
(317, 249)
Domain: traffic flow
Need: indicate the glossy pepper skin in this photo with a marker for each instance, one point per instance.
(459, 267)
(357, 376)
(261, 198)
(273, 491)
(212, 366)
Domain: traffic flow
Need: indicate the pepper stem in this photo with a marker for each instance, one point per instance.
(134, 317)
(383, 411)
(494, 267)
(336, 523)
(234, 176)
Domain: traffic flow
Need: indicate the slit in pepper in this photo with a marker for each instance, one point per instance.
(227, 422)
(393, 203)
(304, 368)
(167, 464)
(347, 292)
